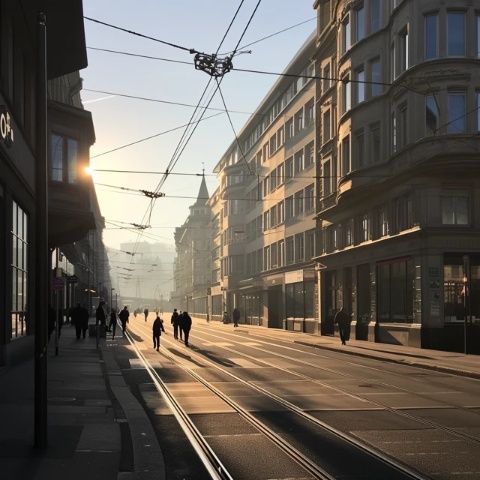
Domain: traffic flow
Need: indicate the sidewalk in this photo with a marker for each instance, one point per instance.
(448, 362)
(92, 434)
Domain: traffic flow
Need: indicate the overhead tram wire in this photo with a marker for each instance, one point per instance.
(150, 137)
(142, 35)
(175, 158)
(157, 100)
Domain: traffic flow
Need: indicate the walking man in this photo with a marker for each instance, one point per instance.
(84, 320)
(157, 332)
(77, 316)
(113, 322)
(342, 318)
(236, 316)
(175, 319)
(145, 312)
(123, 315)
(180, 323)
(186, 325)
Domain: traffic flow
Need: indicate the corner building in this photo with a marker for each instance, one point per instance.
(397, 160)
(266, 208)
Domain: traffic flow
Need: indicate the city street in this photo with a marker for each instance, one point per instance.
(388, 420)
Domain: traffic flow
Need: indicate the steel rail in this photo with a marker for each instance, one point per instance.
(409, 416)
(212, 463)
(376, 454)
(310, 466)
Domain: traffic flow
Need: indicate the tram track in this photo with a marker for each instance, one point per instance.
(396, 468)
(400, 413)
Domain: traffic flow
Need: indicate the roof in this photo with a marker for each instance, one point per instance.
(202, 197)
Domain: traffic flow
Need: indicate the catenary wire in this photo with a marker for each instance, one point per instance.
(137, 34)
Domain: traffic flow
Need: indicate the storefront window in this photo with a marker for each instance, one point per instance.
(395, 288)
(19, 271)
(461, 287)
(300, 299)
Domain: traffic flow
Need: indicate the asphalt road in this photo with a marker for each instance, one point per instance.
(426, 420)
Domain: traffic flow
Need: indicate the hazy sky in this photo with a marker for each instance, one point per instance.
(198, 24)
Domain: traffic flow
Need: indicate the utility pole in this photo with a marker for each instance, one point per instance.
(41, 245)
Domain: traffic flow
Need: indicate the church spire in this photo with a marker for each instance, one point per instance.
(202, 196)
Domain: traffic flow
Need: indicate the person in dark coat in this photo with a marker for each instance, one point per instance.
(145, 312)
(100, 316)
(185, 326)
(112, 326)
(343, 319)
(236, 316)
(123, 315)
(175, 320)
(84, 320)
(157, 332)
(77, 317)
(180, 329)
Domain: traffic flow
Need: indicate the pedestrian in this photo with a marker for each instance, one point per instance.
(123, 315)
(77, 317)
(157, 332)
(100, 317)
(112, 326)
(343, 319)
(186, 325)
(236, 316)
(51, 321)
(145, 312)
(84, 320)
(226, 317)
(174, 321)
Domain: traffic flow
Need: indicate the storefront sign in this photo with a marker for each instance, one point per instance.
(6, 130)
(294, 277)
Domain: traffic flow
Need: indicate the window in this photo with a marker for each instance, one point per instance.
(327, 178)
(375, 142)
(394, 132)
(289, 132)
(273, 144)
(376, 77)
(299, 121)
(281, 212)
(404, 213)
(360, 85)
(365, 228)
(393, 57)
(266, 258)
(288, 169)
(280, 137)
(309, 153)
(289, 248)
(455, 209)
(309, 112)
(359, 22)
(432, 115)
(456, 112)
(289, 208)
(404, 62)
(402, 124)
(273, 180)
(326, 82)
(299, 247)
(299, 206)
(375, 15)
(274, 255)
(456, 33)
(309, 244)
(431, 36)
(359, 148)
(298, 161)
(327, 130)
(19, 271)
(281, 253)
(349, 227)
(477, 28)
(64, 159)
(346, 34)
(346, 156)
(383, 221)
(346, 94)
(273, 216)
(280, 174)
(266, 220)
(309, 198)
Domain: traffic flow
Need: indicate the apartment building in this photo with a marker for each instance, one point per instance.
(265, 207)
(397, 160)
